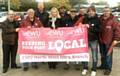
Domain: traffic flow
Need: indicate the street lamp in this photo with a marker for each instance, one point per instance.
(8, 5)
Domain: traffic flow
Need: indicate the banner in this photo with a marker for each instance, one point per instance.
(45, 44)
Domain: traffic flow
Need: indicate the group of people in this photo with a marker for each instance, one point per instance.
(103, 31)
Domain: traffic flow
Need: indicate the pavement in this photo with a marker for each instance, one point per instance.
(44, 71)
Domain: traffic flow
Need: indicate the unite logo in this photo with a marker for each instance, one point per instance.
(55, 33)
(31, 33)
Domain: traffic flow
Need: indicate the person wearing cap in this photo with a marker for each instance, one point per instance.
(72, 18)
(71, 23)
(10, 41)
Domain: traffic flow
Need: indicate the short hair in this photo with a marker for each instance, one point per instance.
(62, 7)
(91, 8)
(41, 3)
(82, 7)
(107, 8)
(30, 10)
(73, 10)
(11, 12)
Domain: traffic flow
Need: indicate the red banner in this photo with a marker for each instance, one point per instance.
(46, 41)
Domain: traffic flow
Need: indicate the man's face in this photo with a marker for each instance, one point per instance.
(82, 11)
(41, 6)
(31, 14)
(106, 12)
(11, 16)
(72, 14)
(62, 10)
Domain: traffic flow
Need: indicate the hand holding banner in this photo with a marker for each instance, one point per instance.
(46, 42)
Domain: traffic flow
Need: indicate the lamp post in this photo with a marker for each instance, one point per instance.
(8, 5)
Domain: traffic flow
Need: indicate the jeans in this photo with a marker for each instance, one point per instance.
(94, 49)
(106, 60)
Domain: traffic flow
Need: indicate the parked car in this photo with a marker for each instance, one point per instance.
(3, 16)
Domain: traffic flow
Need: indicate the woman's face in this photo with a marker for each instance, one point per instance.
(91, 13)
(54, 13)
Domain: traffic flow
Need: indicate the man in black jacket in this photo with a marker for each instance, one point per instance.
(64, 16)
(42, 14)
(9, 38)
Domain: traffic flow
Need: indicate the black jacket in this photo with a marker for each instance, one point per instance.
(43, 17)
(65, 18)
(94, 29)
(58, 23)
(9, 35)
(71, 21)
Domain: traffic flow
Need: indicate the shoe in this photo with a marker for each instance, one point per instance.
(5, 70)
(84, 72)
(93, 73)
(67, 67)
(25, 69)
(107, 72)
(101, 68)
(15, 67)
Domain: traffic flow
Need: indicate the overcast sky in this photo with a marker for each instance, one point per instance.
(110, 2)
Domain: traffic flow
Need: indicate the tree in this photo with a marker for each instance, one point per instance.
(58, 3)
(26, 4)
(75, 2)
(15, 4)
(3, 6)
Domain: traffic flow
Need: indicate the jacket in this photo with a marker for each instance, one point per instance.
(33, 24)
(43, 17)
(110, 30)
(94, 27)
(9, 34)
(58, 23)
